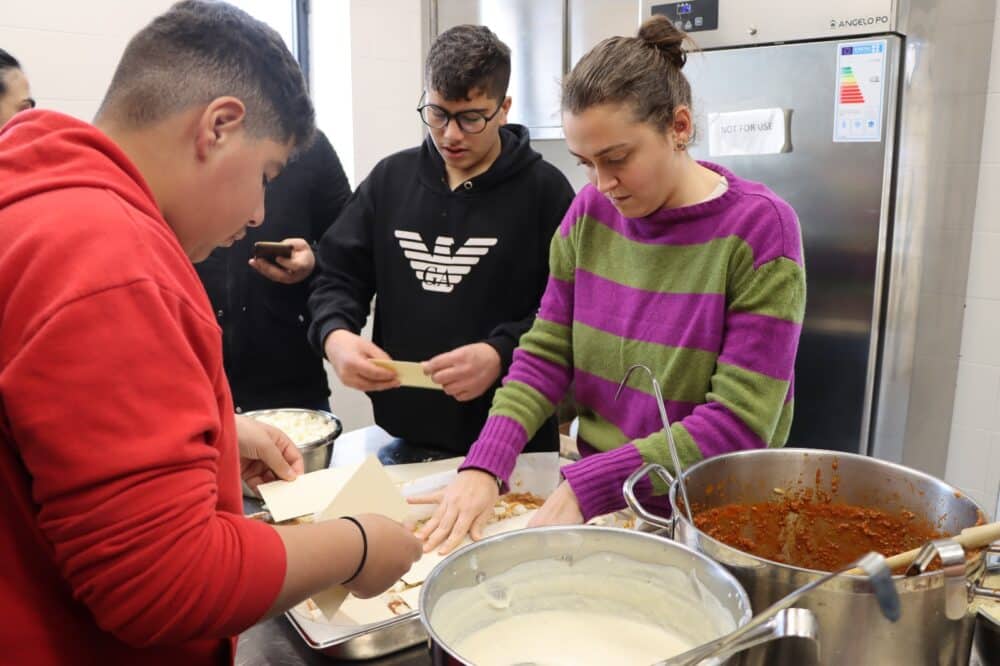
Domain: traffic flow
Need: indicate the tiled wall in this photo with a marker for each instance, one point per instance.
(69, 48)
(974, 454)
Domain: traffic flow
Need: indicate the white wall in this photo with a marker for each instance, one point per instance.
(331, 83)
(69, 48)
(386, 66)
(974, 454)
(366, 82)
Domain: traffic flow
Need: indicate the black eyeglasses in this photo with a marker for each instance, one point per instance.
(470, 122)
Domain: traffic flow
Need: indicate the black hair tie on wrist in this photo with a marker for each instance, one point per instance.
(364, 548)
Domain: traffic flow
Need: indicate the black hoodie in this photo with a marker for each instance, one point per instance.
(448, 268)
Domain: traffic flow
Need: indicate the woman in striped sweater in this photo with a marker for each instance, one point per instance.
(661, 260)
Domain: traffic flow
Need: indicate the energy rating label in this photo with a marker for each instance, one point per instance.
(850, 91)
(860, 85)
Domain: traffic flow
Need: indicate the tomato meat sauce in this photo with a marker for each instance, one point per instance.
(813, 532)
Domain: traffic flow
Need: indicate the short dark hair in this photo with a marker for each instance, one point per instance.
(7, 61)
(467, 58)
(643, 71)
(200, 50)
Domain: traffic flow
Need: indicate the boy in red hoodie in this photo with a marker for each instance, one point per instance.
(120, 458)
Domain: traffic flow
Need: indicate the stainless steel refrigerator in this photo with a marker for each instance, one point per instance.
(882, 103)
(837, 174)
(866, 116)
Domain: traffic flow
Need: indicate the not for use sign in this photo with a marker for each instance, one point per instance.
(751, 132)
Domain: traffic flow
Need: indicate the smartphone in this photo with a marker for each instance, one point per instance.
(267, 250)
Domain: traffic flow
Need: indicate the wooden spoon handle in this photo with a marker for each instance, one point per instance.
(979, 536)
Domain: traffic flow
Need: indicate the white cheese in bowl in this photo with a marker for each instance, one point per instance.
(302, 426)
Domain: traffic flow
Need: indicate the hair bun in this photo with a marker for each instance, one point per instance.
(660, 33)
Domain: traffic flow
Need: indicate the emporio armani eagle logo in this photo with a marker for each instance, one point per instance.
(442, 269)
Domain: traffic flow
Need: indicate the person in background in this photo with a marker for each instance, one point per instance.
(15, 93)
(120, 455)
(452, 238)
(261, 304)
(662, 260)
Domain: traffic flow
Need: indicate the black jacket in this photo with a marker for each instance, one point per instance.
(447, 268)
(267, 355)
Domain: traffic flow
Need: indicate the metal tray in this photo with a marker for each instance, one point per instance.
(535, 472)
(371, 640)
(403, 631)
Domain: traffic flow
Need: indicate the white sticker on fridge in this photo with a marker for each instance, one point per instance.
(751, 132)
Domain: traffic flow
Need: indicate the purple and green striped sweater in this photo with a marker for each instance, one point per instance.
(710, 296)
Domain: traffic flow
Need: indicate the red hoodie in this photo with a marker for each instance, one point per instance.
(123, 540)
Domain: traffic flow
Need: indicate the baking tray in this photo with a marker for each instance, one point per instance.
(536, 473)
(367, 641)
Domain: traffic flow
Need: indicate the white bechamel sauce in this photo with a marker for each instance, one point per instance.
(603, 609)
(586, 639)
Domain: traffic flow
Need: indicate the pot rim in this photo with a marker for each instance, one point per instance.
(441, 567)
(974, 564)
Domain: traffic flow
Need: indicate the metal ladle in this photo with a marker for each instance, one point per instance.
(678, 471)
(757, 629)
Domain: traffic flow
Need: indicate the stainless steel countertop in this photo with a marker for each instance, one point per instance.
(275, 643)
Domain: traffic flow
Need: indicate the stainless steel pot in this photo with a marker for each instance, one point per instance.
(315, 453)
(852, 630)
(490, 557)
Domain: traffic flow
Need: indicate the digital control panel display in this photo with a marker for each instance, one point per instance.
(691, 16)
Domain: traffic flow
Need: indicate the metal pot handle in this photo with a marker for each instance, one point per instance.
(789, 623)
(976, 590)
(952, 558)
(959, 591)
(628, 489)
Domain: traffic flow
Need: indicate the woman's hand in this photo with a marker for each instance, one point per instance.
(464, 507)
(561, 508)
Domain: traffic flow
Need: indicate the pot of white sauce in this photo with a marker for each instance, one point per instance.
(578, 595)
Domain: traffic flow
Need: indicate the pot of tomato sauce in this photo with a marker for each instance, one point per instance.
(780, 518)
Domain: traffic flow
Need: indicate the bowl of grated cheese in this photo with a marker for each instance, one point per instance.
(312, 431)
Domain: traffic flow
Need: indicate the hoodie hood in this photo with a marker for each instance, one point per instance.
(516, 154)
(41, 151)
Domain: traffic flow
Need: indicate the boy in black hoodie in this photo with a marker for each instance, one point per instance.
(452, 238)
